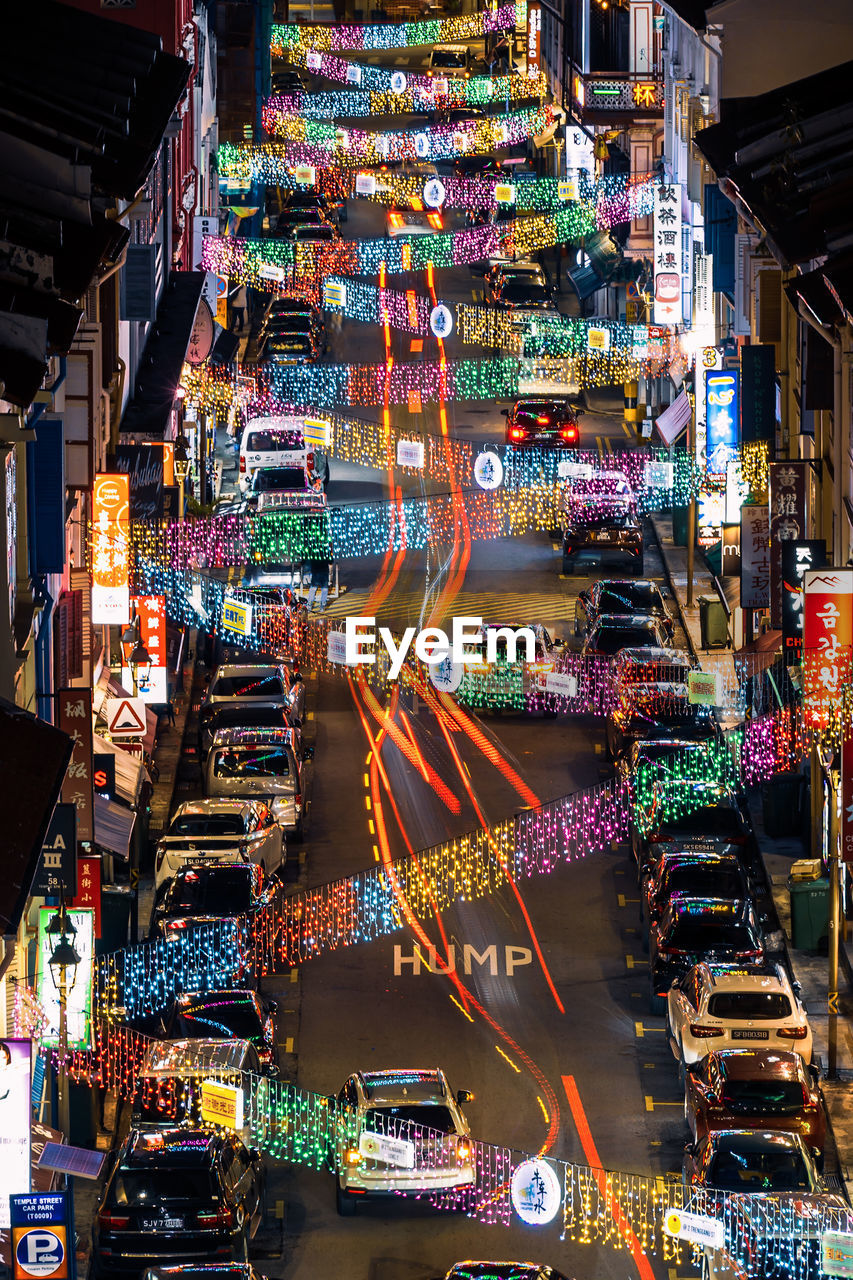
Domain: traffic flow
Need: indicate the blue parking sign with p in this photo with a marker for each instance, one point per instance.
(39, 1236)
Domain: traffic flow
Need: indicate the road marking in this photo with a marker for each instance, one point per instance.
(417, 344)
(279, 1208)
(375, 854)
(628, 432)
(461, 1008)
(366, 777)
(622, 900)
(367, 803)
(294, 975)
(597, 748)
(651, 1104)
(544, 1109)
(599, 446)
(310, 715)
(608, 443)
(288, 1045)
(641, 1029)
(632, 963)
(371, 826)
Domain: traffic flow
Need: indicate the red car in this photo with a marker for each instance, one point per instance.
(754, 1089)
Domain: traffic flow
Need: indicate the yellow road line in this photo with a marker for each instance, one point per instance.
(544, 1109)
(461, 1008)
(632, 963)
(621, 899)
(516, 1069)
(288, 1045)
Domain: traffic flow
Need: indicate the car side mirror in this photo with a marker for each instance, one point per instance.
(270, 1070)
(690, 1149)
(463, 1096)
(504, 413)
(272, 1005)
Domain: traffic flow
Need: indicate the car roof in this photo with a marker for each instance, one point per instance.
(754, 1139)
(404, 1086)
(627, 620)
(258, 736)
(188, 1147)
(247, 669)
(495, 1271)
(214, 998)
(701, 857)
(182, 1058)
(682, 904)
(747, 1064)
(625, 584)
(200, 808)
(747, 980)
(674, 657)
(452, 48)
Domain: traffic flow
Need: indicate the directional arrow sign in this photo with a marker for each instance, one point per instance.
(126, 717)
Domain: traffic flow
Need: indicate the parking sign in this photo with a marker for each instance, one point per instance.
(40, 1236)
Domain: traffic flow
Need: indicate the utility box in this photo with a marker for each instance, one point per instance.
(713, 623)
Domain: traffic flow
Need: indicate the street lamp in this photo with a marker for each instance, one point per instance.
(63, 958)
(182, 466)
(139, 659)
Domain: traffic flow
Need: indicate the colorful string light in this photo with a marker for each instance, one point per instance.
(403, 35)
(375, 96)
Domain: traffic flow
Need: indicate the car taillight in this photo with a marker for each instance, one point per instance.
(216, 1218)
(569, 433)
(737, 840)
(516, 433)
(297, 799)
(543, 420)
(352, 1156)
(665, 950)
(463, 1151)
(242, 462)
(112, 1221)
(158, 861)
(704, 1033)
(793, 1033)
(754, 954)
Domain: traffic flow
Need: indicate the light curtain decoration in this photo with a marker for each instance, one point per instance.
(403, 35)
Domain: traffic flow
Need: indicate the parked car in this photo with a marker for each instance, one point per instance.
(606, 529)
(521, 293)
(715, 1008)
(289, 347)
(651, 666)
(300, 216)
(282, 309)
(174, 1195)
(224, 1015)
(312, 233)
(547, 650)
(290, 80)
(412, 222)
(691, 930)
(769, 1089)
(170, 1077)
(416, 1106)
(283, 487)
(204, 1271)
(207, 891)
(622, 595)
(754, 1162)
(543, 422)
(693, 873)
(292, 323)
(452, 60)
(711, 818)
(260, 763)
(614, 631)
(224, 830)
(641, 710)
(648, 753)
(245, 715)
(523, 269)
(503, 1271)
(272, 441)
(246, 683)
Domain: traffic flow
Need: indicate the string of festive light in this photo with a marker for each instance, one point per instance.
(402, 35)
(373, 94)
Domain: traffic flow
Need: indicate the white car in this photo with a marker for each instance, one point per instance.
(413, 1119)
(224, 830)
(411, 222)
(723, 1008)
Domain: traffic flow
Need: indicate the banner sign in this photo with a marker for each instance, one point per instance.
(152, 684)
(827, 640)
(722, 421)
(110, 559)
(78, 994)
(56, 872)
(143, 464)
(754, 557)
(74, 717)
(668, 253)
(15, 1112)
(758, 392)
(797, 558)
(787, 523)
(89, 889)
(534, 41)
(222, 1104)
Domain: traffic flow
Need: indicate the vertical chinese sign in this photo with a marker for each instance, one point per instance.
(152, 684)
(534, 40)
(722, 419)
(74, 717)
(797, 559)
(787, 523)
(668, 254)
(89, 889)
(754, 557)
(827, 641)
(110, 561)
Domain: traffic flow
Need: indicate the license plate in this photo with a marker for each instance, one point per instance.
(161, 1224)
(749, 1035)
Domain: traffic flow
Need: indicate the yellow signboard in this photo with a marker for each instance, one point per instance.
(222, 1104)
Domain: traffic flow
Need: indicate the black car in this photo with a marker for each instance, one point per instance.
(693, 930)
(543, 422)
(520, 293)
(614, 631)
(209, 891)
(176, 1195)
(288, 81)
(290, 348)
(259, 715)
(305, 233)
(224, 1015)
(646, 710)
(205, 1271)
(300, 216)
(622, 595)
(714, 821)
(606, 530)
(694, 874)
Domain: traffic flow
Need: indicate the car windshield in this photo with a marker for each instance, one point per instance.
(772, 1005)
(209, 824)
(629, 598)
(248, 686)
(759, 1167)
(705, 881)
(707, 933)
(426, 1117)
(269, 479)
(272, 441)
(604, 515)
(612, 639)
(219, 892)
(213, 1019)
(538, 415)
(447, 58)
(763, 1097)
(251, 762)
(139, 1188)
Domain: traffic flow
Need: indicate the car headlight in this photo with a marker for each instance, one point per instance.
(352, 1156)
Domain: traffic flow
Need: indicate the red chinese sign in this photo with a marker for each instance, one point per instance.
(74, 717)
(110, 555)
(787, 522)
(152, 684)
(89, 889)
(827, 640)
(846, 824)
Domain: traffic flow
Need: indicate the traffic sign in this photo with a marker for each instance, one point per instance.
(126, 717)
(39, 1236)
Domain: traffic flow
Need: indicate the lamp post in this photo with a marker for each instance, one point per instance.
(63, 957)
(182, 466)
(139, 659)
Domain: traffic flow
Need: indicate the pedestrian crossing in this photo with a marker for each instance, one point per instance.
(553, 608)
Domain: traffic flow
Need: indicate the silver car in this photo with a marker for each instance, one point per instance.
(227, 830)
(261, 764)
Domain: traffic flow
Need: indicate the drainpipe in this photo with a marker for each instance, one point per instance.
(840, 357)
(44, 674)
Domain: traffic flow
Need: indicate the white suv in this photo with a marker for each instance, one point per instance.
(401, 1131)
(719, 1008)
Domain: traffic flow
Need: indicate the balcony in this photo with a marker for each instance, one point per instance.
(620, 98)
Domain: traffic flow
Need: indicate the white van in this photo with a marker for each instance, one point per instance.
(271, 442)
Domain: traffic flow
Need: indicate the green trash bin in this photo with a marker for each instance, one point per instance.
(713, 623)
(809, 913)
(679, 526)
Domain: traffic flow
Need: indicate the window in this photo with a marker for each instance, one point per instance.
(251, 762)
(749, 1004)
(249, 686)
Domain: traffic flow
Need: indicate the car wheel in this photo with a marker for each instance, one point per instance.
(344, 1204)
(657, 1004)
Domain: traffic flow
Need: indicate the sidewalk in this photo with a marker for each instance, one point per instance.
(809, 969)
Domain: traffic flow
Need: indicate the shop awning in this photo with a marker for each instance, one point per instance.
(130, 771)
(113, 826)
(149, 412)
(33, 759)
